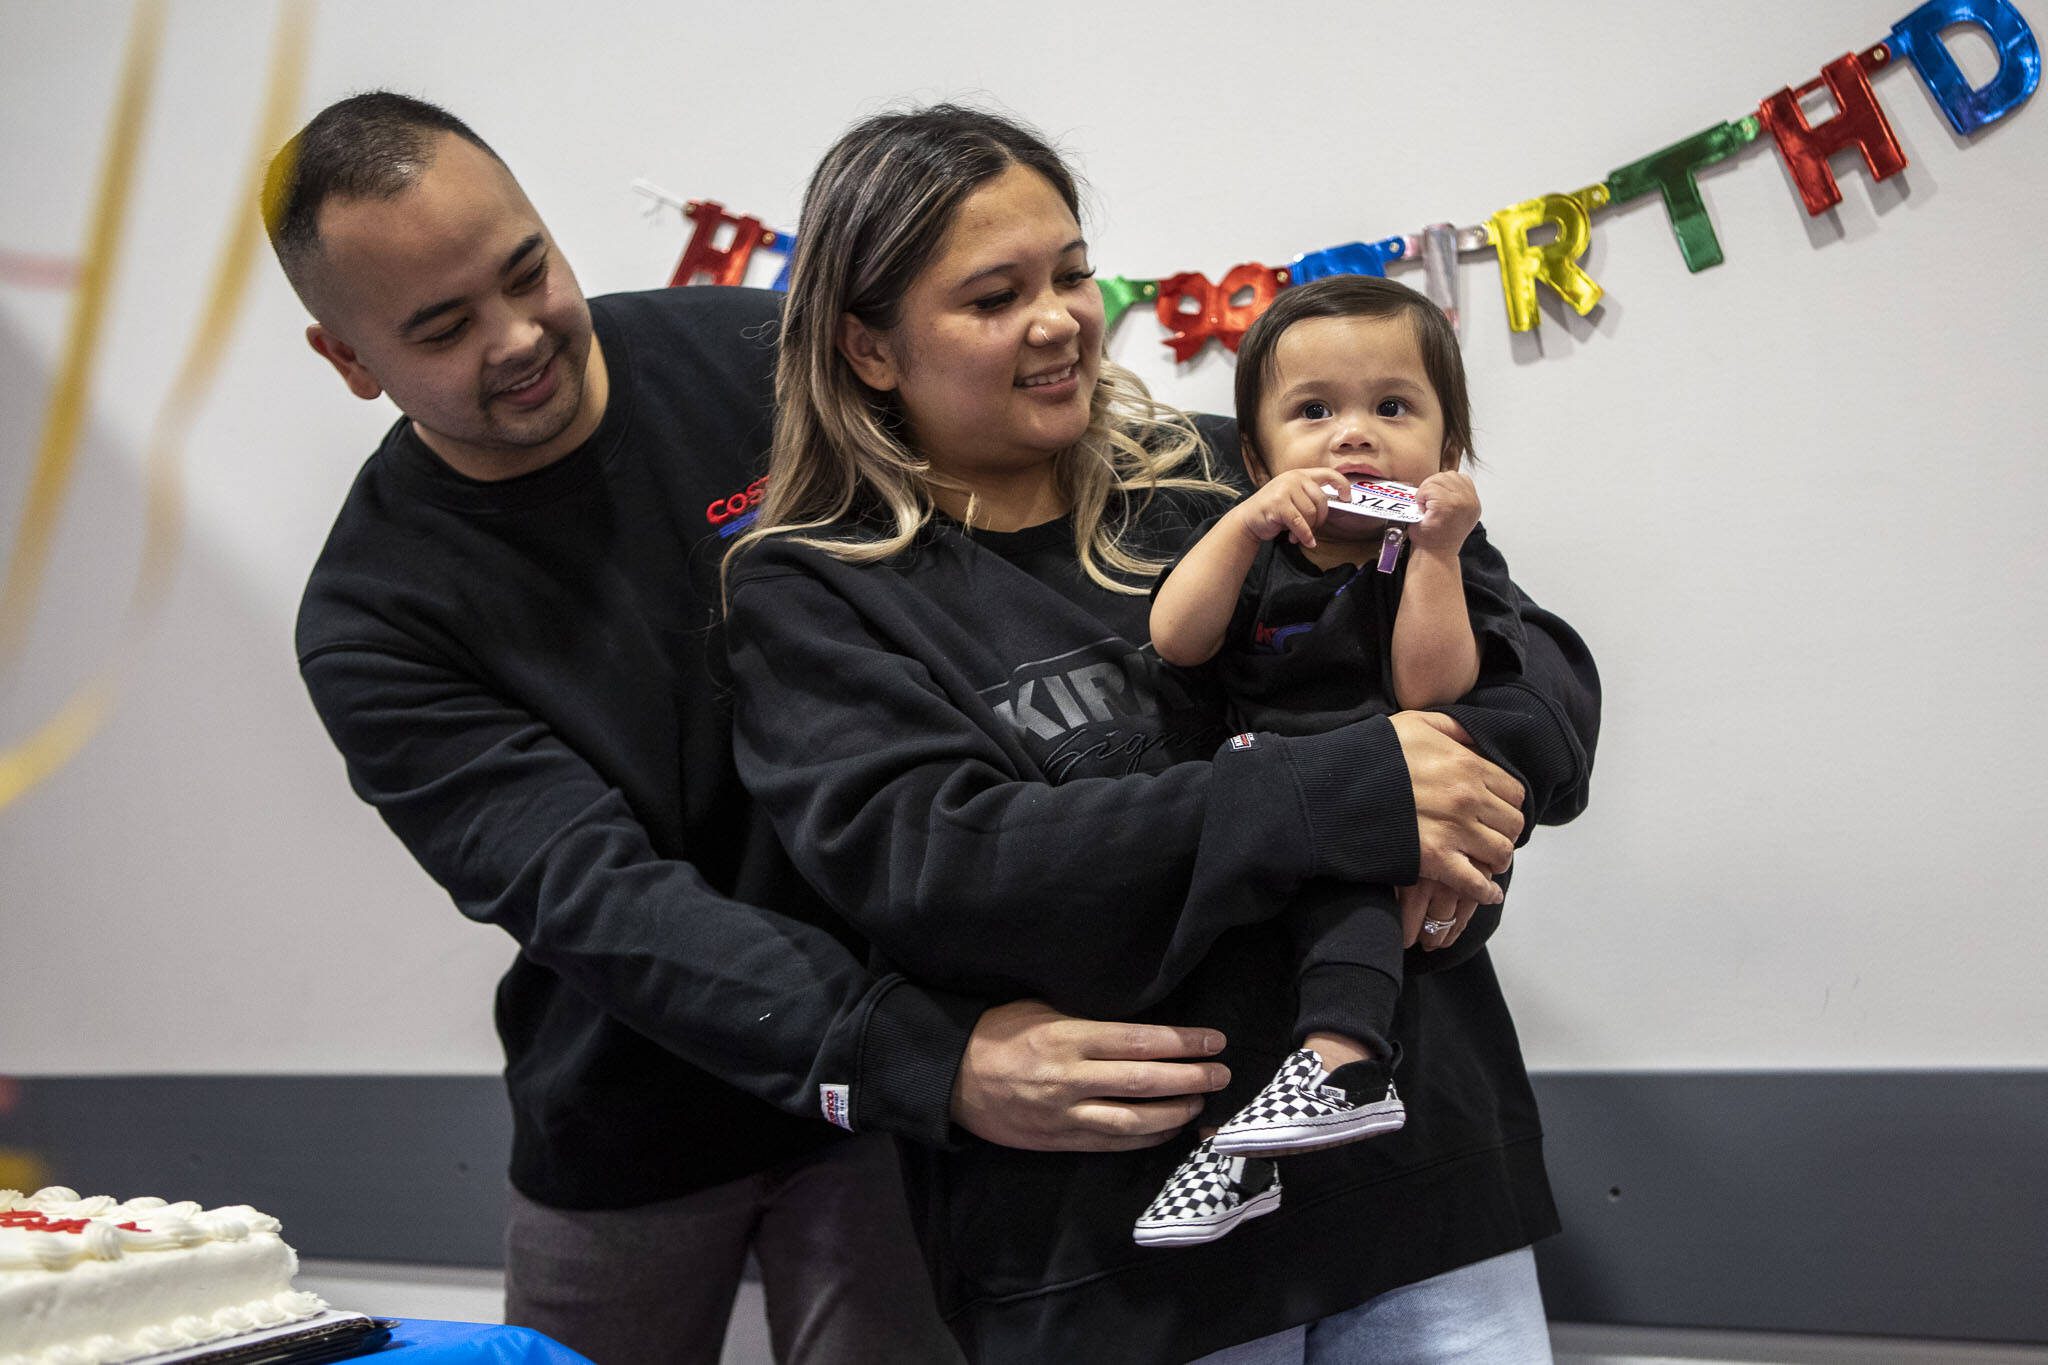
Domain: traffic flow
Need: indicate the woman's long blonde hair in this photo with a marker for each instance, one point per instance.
(840, 477)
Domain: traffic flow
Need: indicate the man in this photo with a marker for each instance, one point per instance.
(511, 637)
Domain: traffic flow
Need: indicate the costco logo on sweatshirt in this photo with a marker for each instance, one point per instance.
(735, 512)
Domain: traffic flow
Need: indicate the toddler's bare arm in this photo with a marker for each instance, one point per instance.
(1436, 658)
(1194, 605)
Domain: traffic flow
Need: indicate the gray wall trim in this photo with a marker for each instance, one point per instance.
(370, 1168)
(1863, 1203)
(1907, 1204)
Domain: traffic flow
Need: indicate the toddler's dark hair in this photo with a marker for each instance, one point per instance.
(1356, 296)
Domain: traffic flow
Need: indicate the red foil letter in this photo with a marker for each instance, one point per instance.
(1187, 329)
(1233, 320)
(1214, 315)
(727, 264)
(1860, 124)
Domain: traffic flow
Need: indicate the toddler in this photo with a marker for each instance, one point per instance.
(1313, 620)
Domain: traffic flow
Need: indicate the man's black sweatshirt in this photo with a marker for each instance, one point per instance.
(526, 681)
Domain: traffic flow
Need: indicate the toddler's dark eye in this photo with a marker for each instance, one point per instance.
(1315, 410)
(1391, 407)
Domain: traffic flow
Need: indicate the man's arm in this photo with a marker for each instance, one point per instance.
(524, 834)
(1040, 1080)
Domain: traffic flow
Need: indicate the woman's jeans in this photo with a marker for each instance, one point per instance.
(1490, 1313)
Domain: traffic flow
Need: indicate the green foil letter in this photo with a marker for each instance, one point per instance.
(1119, 293)
(1671, 172)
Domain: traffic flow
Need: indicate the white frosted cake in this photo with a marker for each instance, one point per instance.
(88, 1281)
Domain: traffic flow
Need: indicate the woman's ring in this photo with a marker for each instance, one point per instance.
(1436, 926)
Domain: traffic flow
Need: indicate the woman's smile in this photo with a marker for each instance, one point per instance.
(1064, 379)
(995, 352)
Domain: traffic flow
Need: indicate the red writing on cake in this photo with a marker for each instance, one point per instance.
(30, 1221)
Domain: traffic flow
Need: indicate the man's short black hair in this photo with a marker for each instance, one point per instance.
(368, 146)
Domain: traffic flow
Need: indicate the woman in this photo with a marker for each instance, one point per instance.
(946, 702)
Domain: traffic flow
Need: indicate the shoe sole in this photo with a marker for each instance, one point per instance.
(1296, 1138)
(1187, 1234)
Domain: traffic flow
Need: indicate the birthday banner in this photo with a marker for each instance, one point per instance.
(1194, 310)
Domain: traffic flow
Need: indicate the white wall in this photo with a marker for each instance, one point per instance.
(1790, 500)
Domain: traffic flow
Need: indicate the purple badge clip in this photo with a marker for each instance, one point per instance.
(1383, 500)
(1390, 548)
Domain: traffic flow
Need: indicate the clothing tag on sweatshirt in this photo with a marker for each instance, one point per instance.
(1389, 501)
(837, 1102)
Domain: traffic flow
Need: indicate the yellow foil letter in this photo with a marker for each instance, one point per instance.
(1555, 263)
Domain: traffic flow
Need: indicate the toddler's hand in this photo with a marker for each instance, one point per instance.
(1293, 503)
(1450, 509)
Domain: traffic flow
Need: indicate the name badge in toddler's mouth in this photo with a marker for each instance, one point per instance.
(1387, 501)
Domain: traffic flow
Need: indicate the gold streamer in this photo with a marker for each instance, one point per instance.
(60, 738)
(64, 417)
(209, 344)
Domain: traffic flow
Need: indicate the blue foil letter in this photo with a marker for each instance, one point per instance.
(1918, 36)
(1359, 258)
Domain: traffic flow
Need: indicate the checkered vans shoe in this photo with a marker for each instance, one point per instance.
(1301, 1109)
(1207, 1195)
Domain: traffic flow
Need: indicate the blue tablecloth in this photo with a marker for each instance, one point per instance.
(424, 1342)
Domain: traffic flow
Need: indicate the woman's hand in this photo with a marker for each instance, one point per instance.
(1468, 811)
(1433, 915)
(1046, 1082)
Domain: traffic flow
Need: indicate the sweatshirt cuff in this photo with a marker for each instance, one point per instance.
(910, 1055)
(1529, 740)
(1359, 803)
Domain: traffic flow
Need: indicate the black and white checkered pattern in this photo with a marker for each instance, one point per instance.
(1207, 1195)
(1301, 1109)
